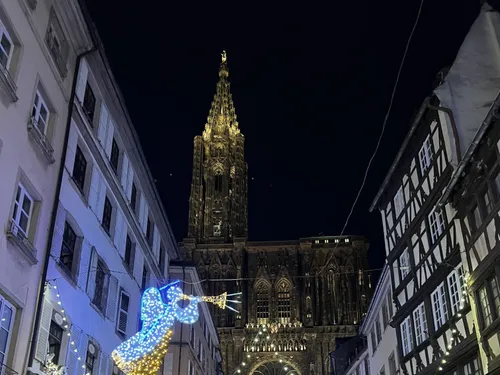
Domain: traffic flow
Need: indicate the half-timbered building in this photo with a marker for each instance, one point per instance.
(432, 319)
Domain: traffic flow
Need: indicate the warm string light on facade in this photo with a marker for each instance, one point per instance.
(263, 333)
(73, 345)
(454, 331)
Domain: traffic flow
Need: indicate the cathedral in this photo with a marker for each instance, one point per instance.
(298, 296)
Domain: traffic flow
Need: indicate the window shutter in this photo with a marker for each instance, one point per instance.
(124, 176)
(123, 313)
(92, 272)
(130, 181)
(94, 192)
(72, 364)
(83, 273)
(103, 125)
(112, 297)
(156, 243)
(82, 351)
(42, 346)
(143, 213)
(83, 73)
(109, 136)
(100, 200)
(71, 149)
(118, 236)
(138, 264)
(57, 237)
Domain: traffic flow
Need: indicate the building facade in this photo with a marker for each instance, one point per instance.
(382, 350)
(111, 237)
(39, 46)
(297, 296)
(194, 349)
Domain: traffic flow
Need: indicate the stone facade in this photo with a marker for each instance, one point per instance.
(300, 294)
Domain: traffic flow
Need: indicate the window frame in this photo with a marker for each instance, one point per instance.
(440, 312)
(74, 251)
(404, 264)
(406, 336)
(114, 158)
(77, 179)
(61, 339)
(100, 297)
(89, 112)
(36, 112)
(399, 202)
(131, 254)
(5, 33)
(455, 290)
(107, 219)
(5, 304)
(425, 155)
(18, 210)
(420, 324)
(437, 224)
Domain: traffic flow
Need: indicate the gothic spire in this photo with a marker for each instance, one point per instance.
(221, 119)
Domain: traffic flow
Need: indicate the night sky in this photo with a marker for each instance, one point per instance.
(310, 85)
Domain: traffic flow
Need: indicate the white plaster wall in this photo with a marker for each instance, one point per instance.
(18, 280)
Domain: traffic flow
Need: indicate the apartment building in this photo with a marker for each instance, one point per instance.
(111, 237)
(40, 45)
(194, 347)
(382, 353)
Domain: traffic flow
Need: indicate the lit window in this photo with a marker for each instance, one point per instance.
(399, 202)
(23, 207)
(326, 241)
(346, 240)
(406, 336)
(337, 240)
(284, 311)
(436, 223)
(262, 303)
(420, 324)
(439, 307)
(316, 241)
(425, 155)
(40, 113)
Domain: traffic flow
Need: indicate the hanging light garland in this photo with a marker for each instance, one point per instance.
(73, 345)
(454, 331)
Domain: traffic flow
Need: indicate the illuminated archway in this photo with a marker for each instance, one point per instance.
(275, 365)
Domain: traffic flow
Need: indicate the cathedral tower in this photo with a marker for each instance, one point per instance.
(218, 201)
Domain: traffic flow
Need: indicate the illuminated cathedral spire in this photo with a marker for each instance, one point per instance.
(218, 202)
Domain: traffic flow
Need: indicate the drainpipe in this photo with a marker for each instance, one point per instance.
(181, 346)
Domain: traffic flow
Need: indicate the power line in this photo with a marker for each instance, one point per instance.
(384, 124)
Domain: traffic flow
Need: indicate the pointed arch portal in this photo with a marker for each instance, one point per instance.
(275, 366)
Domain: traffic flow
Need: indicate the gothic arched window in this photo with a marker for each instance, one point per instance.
(262, 291)
(284, 306)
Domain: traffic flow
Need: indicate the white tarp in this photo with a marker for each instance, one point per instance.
(473, 81)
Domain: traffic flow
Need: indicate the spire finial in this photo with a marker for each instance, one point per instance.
(223, 65)
(223, 56)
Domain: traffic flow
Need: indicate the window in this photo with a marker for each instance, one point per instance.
(262, 304)
(40, 113)
(406, 336)
(218, 183)
(68, 248)
(327, 241)
(192, 336)
(392, 364)
(284, 312)
(439, 308)
(100, 281)
(115, 155)
(420, 323)
(57, 44)
(79, 169)
(374, 340)
(133, 197)
(389, 304)
(436, 222)
(382, 371)
(123, 313)
(489, 301)
(475, 217)
(485, 306)
(55, 340)
(23, 208)
(316, 241)
(7, 313)
(473, 367)
(129, 253)
(385, 318)
(88, 104)
(149, 232)
(106, 216)
(399, 202)
(162, 259)
(6, 47)
(425, 155)
(144, 278)
(404, 264)
(91, 359)
(379, 332)
(455, 291)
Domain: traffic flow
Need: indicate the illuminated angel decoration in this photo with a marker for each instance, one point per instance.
(143, 353)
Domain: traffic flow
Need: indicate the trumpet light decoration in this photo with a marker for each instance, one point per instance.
(142, 354)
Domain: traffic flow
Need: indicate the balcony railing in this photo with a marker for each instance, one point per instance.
(41, 140)
(6, 370)
(16, 235)
(8, 83)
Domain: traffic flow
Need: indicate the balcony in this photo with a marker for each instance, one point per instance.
(16, 235)
(8, 83)
(41, 140)
(5, 370)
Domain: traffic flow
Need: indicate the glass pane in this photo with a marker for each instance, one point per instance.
(6, 45)
(3, 340)
(44, 113)
(18, 194)
(26, 204)
(23, 222)
(3, 58)
(14, 214)
(7, 317)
